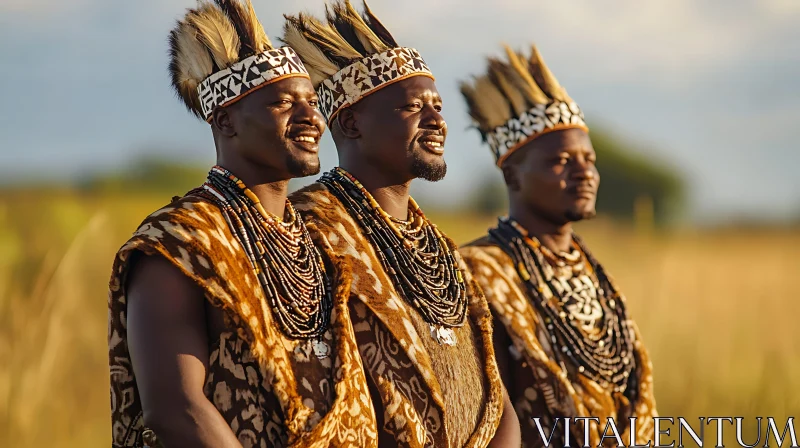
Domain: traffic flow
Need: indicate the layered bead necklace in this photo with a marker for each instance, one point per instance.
(592, 327)
(288, 265)
(413, 253)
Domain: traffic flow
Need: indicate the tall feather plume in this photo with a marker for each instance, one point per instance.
(336, 16)
(522, 79)
(190, 63)
(260, 39)
(547, 81)
(344, 17)
(251, 33)
(216, 32)
(509, 89)
(317, 63)
(377, 27)
(326, 38)
(487, 106)
(501, 75)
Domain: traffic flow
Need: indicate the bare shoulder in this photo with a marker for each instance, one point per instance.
(158, 288)
(156, 274)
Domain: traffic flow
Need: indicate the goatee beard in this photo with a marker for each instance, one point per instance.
(578, 215)
(432, 172)
(301, 168)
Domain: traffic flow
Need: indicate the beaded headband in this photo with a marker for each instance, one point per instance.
(370, 74)
(248, 75)
(219, 53)
(518, 100)
(536, 121)
(349, 55)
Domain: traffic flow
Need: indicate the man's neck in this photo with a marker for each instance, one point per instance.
(272, 195)
(269, 191)
(554, 236)
(392, 197)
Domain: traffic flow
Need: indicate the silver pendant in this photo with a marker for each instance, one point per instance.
(443, 335)
(321, 349)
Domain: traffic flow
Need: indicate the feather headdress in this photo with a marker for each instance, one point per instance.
(219, 53)
(349, 55)
(517, 100)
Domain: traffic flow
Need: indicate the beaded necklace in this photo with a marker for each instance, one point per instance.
(606, 355)
(288, 265)
(414, 254)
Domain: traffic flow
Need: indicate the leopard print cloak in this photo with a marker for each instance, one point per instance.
(540, 386)
(271, 390)
(430, 395)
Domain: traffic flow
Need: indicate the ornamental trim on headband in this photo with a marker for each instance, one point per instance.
(359, 79)
(225, 86)
(538, 120)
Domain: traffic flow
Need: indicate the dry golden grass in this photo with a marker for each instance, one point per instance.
(717, 311)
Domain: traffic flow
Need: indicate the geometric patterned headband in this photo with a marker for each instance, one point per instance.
(538, 120)
(349, 55)
(227, 86)
(517, 100)
(370, 74)
(219, 53)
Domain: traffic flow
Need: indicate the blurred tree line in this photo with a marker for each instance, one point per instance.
(632, 186)
(149, 174)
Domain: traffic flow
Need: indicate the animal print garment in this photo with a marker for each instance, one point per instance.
(430, 395)
(272, 390)
(537, 384)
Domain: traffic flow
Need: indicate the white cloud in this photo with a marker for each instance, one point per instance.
(666, 39)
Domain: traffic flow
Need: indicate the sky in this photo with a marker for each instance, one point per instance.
(711, 88)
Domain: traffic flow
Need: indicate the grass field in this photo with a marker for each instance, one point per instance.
(718, 311)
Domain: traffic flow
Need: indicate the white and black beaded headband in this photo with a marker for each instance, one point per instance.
(350, 55)
(370, 74)
(518, 100)
(536, 121)
(219, 53)
(227, 86)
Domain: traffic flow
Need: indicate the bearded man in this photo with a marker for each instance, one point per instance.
(423, 327)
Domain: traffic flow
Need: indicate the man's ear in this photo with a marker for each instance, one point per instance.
(221, 121)
(511, 177)
(348, 123)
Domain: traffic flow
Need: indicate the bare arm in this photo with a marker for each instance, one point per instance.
(168, 343)
(508, 433)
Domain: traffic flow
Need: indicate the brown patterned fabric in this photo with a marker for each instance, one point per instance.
(272, 390)
(429, 395)
(537, 384)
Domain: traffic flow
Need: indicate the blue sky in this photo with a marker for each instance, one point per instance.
(712, 88)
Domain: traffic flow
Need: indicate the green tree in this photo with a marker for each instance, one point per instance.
(630, 181)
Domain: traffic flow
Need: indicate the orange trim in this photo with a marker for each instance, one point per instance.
(559, 127)
(333, 115)
(271, 81)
